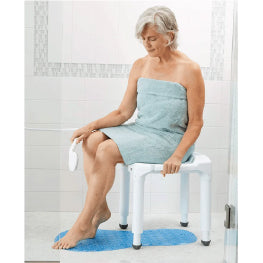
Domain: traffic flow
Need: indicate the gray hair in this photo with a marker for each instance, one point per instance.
(163, 18)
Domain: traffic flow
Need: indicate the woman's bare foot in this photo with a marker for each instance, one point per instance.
(77, 233)
(101, 216)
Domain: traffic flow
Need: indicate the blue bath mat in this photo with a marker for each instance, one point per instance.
(120, 239)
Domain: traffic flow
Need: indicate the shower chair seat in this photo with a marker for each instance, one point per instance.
(198, 163)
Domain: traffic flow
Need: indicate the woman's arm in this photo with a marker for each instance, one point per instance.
(128, 104)
(196, 102)
(119, 116)
(114, 118)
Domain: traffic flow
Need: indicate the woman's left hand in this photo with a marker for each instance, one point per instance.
(172, 165)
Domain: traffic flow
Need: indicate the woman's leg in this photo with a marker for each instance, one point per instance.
(100, 182)
(89, 148)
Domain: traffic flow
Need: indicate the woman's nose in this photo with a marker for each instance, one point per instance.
(146, 42)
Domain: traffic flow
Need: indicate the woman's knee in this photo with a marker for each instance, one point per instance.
(108, 150)
(91, 143)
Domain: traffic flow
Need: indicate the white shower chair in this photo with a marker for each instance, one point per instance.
(198, 163)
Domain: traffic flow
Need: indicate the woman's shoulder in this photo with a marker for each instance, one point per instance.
(138, 65)
(140, 61)
(190, 70)
(186, 61)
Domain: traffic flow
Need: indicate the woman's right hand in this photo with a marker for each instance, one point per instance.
(82, 133)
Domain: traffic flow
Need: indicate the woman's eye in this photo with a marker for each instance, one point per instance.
(152, 39)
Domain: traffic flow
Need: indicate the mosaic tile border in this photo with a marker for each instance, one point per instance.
(44, 68)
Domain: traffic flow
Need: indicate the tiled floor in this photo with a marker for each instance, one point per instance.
(42, 227)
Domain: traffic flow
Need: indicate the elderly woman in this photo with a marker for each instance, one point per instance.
(167, 87)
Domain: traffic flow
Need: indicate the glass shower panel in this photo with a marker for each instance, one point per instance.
(231, 232)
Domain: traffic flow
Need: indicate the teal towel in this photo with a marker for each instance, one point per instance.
(161, 122)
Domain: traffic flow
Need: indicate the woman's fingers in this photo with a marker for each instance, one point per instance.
(81, 134)
(80, 138)
(164, 171)
(169, 168)
(76, 134)
(174, 169)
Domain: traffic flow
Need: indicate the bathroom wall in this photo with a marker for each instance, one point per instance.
(70, 94)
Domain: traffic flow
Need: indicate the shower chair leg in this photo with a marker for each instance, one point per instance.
(184, 198)
(124, 196)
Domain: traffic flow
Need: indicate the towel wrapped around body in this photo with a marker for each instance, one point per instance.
(161, 122)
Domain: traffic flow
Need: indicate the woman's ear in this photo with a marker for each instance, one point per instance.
(171, 34)
(170, 37)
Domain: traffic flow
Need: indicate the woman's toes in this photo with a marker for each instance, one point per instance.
(55, 245)
(68, 246)
(60, 245)
(65, 246)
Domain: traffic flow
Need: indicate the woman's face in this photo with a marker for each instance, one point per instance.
(153, 41)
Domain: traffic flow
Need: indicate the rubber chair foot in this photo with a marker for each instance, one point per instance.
(206, 243)
(123, 226)
(184, 224)
(136, 246)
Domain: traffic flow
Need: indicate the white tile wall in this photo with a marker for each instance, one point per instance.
(29, 13)
(213, 137)
(164, 202)
(53, 180)
(228, 40)
(29, 63)
(72, 102)
(43, 88)
(53, 201)
(29, 37)
(113, 200)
